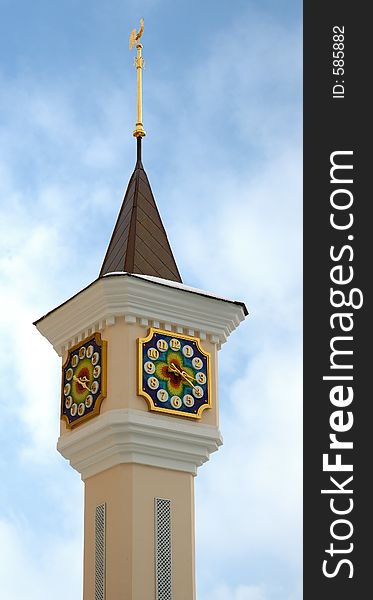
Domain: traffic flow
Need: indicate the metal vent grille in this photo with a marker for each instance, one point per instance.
(163, 565)
(100, 547)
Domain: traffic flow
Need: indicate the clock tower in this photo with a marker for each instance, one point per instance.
(139, 400)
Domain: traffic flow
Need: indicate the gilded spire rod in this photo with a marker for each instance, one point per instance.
(139, 64)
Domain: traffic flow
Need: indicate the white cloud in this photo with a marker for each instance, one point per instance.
(223, 591)
(242, 592)
(253, 486)
(37, 571)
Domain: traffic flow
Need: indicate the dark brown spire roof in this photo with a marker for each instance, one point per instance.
(139, 241)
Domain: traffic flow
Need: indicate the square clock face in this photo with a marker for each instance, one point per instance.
(174, 373)
(83, 380)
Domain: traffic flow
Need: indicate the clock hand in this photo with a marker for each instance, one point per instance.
(82, 382)
(187, 375)
(183, 374)
(176, 369)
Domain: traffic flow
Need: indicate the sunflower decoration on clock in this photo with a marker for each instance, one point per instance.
(174, 373)
(83, 380)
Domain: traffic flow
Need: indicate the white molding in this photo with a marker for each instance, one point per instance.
(132, 436)
(139, 300)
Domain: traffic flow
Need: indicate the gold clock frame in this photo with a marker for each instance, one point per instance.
(149, 399)
(98, 339)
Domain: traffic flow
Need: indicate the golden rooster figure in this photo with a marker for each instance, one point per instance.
(136, 36)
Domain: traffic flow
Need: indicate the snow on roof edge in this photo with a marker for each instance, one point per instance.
(177, 285)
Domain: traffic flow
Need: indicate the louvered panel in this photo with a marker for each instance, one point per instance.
(100, 551)
(163, 549)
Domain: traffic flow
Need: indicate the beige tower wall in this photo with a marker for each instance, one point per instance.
(129, 492)
(114, 451)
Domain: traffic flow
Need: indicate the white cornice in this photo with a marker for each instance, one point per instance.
(130, 436)
(138, 299)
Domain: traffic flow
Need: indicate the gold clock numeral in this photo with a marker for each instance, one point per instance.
(188, 351)
(162, 345)
(149, 367)
(201, 378)
(188, 400)
(153, 353)
(175, 402)
(197, 391)
(95, 358)
(94, 387)
(162, 395)
(153, 383)
(197, 363)
(89, 401)
(175, 344)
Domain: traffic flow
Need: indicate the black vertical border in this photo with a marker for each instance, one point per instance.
(330, 125)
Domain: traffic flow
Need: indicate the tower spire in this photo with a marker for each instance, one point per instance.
(139, 131)
(139, 242)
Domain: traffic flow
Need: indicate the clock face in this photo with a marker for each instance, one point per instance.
(174, 373)
(83, 380)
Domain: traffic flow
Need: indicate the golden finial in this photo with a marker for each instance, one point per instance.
(139, 64)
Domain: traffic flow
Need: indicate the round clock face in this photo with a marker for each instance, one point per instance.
(174, 373)
(84, 380)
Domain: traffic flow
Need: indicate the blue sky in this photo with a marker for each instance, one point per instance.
(222, 110)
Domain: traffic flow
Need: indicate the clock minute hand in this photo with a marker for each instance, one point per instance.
(186, 377)
(185, 374)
